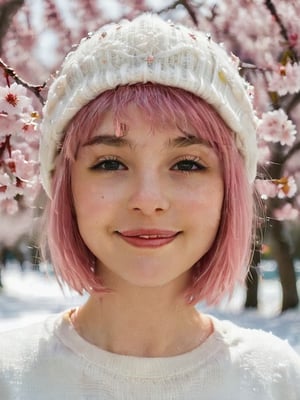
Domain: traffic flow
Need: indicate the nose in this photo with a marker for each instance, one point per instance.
(148, 194)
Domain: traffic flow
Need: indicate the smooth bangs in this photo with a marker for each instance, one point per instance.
(226, 262)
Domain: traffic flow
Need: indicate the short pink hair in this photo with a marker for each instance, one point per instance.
(226, 262)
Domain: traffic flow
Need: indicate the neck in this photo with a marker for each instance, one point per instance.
(145, 322)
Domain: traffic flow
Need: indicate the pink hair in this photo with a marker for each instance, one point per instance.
(217, 272)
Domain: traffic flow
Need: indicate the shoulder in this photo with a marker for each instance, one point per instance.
(29, 354)
(261, 356)
(21, 343)
(257, 344)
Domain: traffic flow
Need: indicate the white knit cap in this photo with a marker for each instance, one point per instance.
(147, 49)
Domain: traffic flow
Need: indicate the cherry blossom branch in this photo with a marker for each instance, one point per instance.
(7, 11)
(270, 6)
(291, 152)
(35, 89)
(295, 100)
(186, 4)
(283, 31)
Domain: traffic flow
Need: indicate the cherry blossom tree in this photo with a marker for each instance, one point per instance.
(266, 36)
(263, 35)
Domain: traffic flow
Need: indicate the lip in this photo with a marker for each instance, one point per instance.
(148, 238)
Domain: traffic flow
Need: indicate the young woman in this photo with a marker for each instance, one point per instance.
(148, 156)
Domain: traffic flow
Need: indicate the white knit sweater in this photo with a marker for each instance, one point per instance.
(50, 360)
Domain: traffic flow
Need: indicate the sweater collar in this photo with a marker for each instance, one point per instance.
(144, 367)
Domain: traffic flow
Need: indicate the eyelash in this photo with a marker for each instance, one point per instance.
(189, 161)
(192, 161)
(107, 160)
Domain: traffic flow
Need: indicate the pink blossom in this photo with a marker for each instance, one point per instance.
(266, 188)
(287, 212)
(276, 127)
(9, 125)
(286, 186)
(25, 169)
(19, 137)
(30, 131)
(282, 188)
(25, 148)
(13, 100)
(286, 79)
(24, 126)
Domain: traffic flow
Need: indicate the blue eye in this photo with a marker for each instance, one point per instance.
(188, 165)
(109, 165)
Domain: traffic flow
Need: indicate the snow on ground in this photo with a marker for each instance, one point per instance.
(29, 296)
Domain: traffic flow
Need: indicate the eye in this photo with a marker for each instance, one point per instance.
(188, 165)
(109, 164)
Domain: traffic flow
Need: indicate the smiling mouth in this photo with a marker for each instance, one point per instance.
(148, 238)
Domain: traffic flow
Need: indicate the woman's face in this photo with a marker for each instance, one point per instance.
(148, 203)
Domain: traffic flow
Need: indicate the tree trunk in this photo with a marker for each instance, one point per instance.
(281, 248)
(252, 281)
(1, 264)
(282, 254)
(7, 11)
(252, 288)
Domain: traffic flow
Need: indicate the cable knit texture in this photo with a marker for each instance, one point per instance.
(148, 49)
(50, 361)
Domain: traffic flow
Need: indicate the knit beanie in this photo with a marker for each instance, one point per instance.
(148, 49)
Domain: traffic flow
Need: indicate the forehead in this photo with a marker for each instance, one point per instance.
(159, 106)
(130, 116)
(134, 123)
(132, 119)
(134, 128)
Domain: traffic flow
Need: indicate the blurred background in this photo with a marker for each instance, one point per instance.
(264, 38)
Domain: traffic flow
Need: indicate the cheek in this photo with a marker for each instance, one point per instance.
(91, 198)
(203, 209)
(203, 197)
(90, 207)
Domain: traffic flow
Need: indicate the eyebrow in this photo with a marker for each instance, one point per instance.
(108, 140)
(116, 141)
(187, 140)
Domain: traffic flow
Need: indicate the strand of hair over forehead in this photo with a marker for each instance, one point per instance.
(160, 105)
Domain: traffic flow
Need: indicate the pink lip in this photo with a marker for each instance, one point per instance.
(148, 237)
